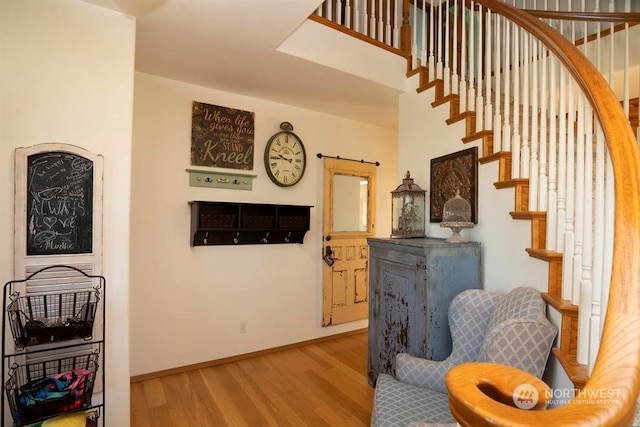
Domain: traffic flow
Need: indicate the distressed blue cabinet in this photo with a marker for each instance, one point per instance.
(412, 282)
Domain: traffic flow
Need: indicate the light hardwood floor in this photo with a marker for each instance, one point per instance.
(319, 384)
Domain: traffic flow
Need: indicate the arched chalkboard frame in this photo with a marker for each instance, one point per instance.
(58, 207)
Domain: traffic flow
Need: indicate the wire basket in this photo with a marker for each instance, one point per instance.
(257, 221)
(209, 220)
(45, 318)
(41, 389)
(292, 222)
(90, 419)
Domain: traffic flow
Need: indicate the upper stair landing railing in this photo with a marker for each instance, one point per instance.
(380, 20)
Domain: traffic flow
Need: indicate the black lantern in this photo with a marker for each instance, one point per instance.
(407, 209)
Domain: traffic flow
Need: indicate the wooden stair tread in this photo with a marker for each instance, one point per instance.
(429, 85)
(460, 117)
(421, 70)
(577, 372)
(514, 182)
(477, 135)
(445, 99)
(494, 157)
(528, 215)
(544, 254)
(562, 305)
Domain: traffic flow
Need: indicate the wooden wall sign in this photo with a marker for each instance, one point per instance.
(221, 137)
(59, 204)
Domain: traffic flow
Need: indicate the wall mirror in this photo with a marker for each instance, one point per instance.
(350, 203)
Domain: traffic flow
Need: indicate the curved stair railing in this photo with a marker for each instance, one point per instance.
(550, 118)
(479, 395)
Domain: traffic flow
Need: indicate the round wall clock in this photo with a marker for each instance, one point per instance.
(284, 157)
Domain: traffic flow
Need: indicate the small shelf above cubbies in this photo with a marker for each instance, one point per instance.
(229, 223)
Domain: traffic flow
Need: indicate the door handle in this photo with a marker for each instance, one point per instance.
(328, 256)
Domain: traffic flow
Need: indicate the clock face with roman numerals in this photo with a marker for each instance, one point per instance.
(285, 159)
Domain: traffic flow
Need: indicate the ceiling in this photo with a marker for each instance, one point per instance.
(231, 45)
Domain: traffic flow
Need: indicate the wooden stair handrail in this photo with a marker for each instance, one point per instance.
(617, 368)
(619, 17)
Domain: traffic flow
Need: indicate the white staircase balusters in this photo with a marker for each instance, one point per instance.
(535, 117)
(372, 20)
(387, 24)
(498, 75)
(479, 74)
(563, 126)
(579, 202)
(365, 18)
(507, 70)
(446, 76)
(586, 282)
(569, 227)
(414, 39)
(425, 31)
(455, 78)
(625, 79)
(609, 215)
(439, 46)
(489, 72)
(471, 94)
(518, 109)
(595, 205)
(356, 15)
(463, 87)
(599, 227)
(397, 22)
(552, 154)
(380, 31)
(525, 152)
(541, 188)
(432, 38)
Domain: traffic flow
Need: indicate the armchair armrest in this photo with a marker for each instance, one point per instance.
(478, 391)
(482, 394)
(422, 372)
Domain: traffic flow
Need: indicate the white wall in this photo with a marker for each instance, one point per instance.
(423, 135)
(66, 75)
(324, 45)
(187, 303)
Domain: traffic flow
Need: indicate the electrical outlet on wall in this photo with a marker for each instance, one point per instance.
(243, 327)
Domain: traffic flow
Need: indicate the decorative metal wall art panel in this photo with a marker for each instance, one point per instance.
(450, 173)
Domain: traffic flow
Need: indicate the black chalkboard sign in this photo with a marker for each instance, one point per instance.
(221, 137)
(59, 204)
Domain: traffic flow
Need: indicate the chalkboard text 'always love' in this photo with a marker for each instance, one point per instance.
(59, 204)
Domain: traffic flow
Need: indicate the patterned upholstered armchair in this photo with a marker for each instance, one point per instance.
(507, 329)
